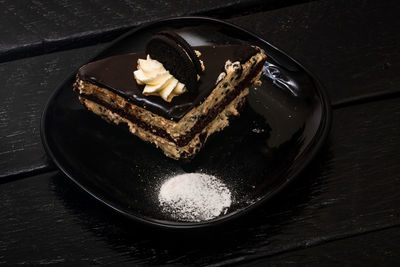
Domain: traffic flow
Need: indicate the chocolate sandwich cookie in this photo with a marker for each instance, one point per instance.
(175, 57)
(186, 46)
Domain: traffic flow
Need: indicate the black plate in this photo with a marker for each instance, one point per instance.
(283, 125)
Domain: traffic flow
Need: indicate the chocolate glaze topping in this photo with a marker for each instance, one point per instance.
(116, 74)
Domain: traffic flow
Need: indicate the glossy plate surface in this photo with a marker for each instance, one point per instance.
(279, 131)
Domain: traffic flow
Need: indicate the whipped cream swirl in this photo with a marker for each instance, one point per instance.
(157, 79)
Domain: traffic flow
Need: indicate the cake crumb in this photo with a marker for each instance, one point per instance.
(258, 83)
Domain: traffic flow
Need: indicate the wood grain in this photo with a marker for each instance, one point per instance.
(351, 46)
(26, 87)
(351, 188)
(380, 248)
(38, 27)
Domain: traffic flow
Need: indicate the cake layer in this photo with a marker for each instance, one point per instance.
(171, 149)
(116, 74)
(183, 131)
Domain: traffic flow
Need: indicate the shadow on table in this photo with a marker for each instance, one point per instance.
(272, 227)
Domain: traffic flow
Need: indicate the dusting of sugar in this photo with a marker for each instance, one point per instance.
(194, 197)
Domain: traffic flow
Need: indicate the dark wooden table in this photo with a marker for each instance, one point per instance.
(343, 209)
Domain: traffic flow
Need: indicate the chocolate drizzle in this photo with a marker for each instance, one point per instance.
(116, 74)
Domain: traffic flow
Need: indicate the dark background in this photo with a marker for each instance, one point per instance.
(343, 209)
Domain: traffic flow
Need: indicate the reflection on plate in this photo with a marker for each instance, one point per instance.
(281, 128)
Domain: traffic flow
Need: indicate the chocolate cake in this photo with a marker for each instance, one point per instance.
(205, 87)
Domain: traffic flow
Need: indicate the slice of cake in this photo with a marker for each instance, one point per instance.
(172, 95)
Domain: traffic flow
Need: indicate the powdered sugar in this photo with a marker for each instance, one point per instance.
(194, 197)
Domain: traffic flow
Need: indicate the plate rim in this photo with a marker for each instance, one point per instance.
(302, 161)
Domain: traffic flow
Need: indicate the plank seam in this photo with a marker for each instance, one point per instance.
(79, 40)
(305, 244)
(365, 98)
(27, 173)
